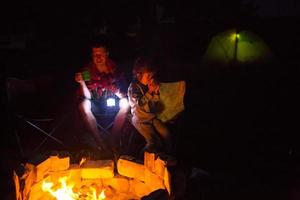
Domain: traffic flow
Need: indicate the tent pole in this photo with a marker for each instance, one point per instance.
(235, 48)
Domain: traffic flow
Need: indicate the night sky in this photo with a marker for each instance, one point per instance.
(240, 123)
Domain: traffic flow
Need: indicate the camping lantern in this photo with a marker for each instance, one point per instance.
(110, 102)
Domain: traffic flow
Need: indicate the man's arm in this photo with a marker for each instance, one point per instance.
(83, 89)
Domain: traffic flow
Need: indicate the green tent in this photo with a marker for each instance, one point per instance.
(230, 47)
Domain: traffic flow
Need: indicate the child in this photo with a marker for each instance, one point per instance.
(143, 94)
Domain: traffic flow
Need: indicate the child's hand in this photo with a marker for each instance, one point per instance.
(153, 87)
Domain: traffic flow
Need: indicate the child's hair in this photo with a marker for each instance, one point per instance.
(143, 65)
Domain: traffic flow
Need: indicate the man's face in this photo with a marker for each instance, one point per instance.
(99, 55)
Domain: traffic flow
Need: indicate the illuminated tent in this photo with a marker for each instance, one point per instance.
(230, 47)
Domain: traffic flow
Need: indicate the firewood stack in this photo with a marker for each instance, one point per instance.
(128, 179)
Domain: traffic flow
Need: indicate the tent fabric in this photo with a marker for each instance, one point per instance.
(230, 47)
(171, 100)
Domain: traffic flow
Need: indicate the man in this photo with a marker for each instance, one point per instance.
(96, 81)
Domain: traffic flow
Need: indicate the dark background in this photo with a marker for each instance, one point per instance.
(240, 123)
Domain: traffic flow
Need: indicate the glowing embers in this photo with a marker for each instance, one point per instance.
(66, 190)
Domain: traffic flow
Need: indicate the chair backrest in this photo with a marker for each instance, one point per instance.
(26, 95)
(171, 99)
(19, 93)
(29, 113)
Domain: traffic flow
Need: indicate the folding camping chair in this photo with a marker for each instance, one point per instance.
(105, 119)
(28, 114)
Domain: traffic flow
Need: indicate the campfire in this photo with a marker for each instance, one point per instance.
(57, 178)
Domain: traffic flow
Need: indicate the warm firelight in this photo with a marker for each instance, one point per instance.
(82, 161)
(57, 178)
(66, 192)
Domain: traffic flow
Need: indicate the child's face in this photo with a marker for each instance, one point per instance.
(146, 77)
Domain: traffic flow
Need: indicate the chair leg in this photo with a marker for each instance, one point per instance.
(44, 132)
(109, 125)
(103, 129)
(19, 144)
(51, 133)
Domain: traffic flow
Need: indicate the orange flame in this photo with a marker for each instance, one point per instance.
(82, 161)
(65, 192)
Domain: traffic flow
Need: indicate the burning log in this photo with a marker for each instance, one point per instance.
(36, 191)
(118, 182)
(139, 188)
(149, 159)
(153, 181)
(157, 164)
(30, 178)
(54, 163)
(17, 186)
(127, 167)
(97, 169)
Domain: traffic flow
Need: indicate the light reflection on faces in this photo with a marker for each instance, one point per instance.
(99, 56)
(146, 77)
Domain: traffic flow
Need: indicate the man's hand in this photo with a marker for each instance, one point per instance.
(79, 78)
(119, 94)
